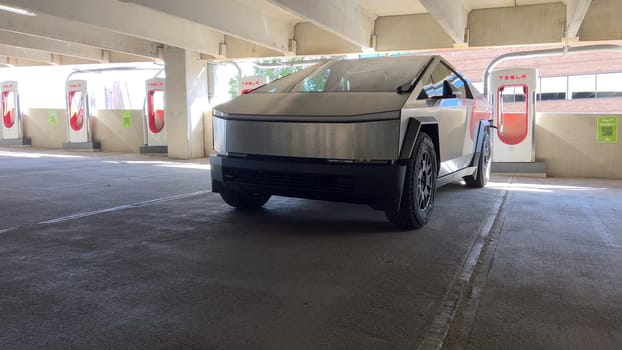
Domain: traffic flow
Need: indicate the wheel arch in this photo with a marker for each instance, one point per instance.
(482, 129)
(417, 125)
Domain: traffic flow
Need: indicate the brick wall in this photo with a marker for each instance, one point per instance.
(472, 62)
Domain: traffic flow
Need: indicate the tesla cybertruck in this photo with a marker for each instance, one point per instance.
(382, 131)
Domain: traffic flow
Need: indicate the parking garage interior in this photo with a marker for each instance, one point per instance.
(110, 235)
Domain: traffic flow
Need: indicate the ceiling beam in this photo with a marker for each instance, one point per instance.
(539, 24)
(53, 46)
(46, 26)
(452, 15)
(602, 21)
(27, 54)
(24, 56)
(575, 13)
(345, 18)
(313, 40)
(238, 48)
(6, 61)
(403, 33)
(233, 18)
(199, 26)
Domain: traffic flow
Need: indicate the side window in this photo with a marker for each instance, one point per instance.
(444, 83)
(428, 90)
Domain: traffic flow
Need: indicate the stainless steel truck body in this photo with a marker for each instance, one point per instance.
(382, 131)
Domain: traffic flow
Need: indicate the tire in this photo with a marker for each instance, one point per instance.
(419, 187)
(244, 200)
(482, 174)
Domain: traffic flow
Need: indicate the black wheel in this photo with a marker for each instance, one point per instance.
(482, 174)
(419, 187)
(244, 200)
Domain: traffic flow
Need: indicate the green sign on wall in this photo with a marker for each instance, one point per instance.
(127, 119)
(52, 117)
(607, 129)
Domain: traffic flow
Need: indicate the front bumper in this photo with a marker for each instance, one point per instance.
(379, 185)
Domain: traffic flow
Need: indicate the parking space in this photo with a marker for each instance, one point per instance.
(102, 250)
(39, 185)
(551, 276)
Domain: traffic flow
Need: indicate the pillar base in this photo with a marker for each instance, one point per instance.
(153, 149)
(533, 169)
(83, 146)
(24, 141)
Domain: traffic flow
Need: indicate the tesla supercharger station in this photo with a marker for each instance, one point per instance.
(514, 98)
(12, 125)
(78, 117)
(155, 117)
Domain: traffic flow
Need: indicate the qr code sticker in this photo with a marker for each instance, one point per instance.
(607, 131)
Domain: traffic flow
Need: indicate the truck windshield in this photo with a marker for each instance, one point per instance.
(362, 75)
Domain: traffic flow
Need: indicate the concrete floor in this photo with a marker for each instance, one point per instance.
(101, 251)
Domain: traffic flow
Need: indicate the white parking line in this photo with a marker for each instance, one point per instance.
(108, 210)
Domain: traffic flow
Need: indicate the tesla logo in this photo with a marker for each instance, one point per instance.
(246, 84)
(250, 83)
(156, 84)
(7, 86)
(513, 77)
(75, 86)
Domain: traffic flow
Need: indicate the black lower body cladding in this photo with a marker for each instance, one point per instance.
(379, 185)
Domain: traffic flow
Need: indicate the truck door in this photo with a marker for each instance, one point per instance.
(455, 111)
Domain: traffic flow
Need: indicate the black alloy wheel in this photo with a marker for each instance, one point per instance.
(419, 187)
(482, 174)
(244, 200)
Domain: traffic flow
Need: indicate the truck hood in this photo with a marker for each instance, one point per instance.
(319, 106)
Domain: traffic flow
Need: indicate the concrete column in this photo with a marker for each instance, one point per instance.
(186, 102)
(207, 122)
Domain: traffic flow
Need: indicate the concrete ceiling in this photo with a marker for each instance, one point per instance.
(92, 31)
